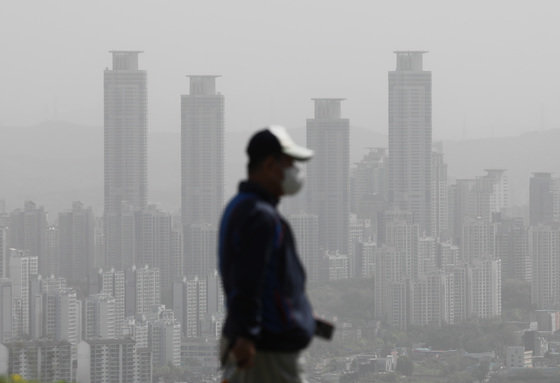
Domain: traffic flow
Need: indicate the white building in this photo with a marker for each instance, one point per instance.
(147, 289)
(41, 360)
(113, 284)
(100, 317)
(165, 340)
(114, 361)
(190, 304)
(484, 284)
(21, 268)
(337, 266)
(517, 357)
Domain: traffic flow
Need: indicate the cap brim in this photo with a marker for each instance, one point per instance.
(289, 147)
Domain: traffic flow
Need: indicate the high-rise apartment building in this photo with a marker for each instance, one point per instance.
(401, 233)
(41, 360)
(3, 252)
(22, 268)
(541, 197)
(368, 186)
(99, 317)
(5, 310)
(28, 231)
(190, 304)
(114, 360)
(165, 339)
(147, 289)
(125, 127)
(410, 138)
(479, 239)
(113, 283)
(428, 299)
(158, 245)
(76, 244)
(200, 250)
(544, 250)
(484, 289)
(328, 134)
(440, 203)
(511, 248)
(306, 229)
(202, 165)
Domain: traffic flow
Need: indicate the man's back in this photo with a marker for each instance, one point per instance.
(263, 278)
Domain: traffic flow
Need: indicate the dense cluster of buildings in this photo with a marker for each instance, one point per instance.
(111, 298)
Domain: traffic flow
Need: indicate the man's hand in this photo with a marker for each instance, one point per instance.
(244, 353)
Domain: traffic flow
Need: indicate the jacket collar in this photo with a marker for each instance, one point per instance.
(255, 188)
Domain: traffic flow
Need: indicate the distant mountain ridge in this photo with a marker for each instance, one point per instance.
(55, 163)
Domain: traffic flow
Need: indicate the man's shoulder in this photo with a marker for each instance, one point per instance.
(246, 204)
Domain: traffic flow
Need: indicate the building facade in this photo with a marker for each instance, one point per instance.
(328, 134)
(410, 138)
(125, 158)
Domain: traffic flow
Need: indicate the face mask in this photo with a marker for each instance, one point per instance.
(293, 180)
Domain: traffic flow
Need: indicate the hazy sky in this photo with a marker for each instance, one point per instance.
(495, 63)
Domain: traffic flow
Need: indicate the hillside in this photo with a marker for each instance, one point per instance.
(55, 163)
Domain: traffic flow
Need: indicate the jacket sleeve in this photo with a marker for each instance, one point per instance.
(255, 241)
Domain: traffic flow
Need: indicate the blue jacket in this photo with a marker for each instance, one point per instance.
(262, 276)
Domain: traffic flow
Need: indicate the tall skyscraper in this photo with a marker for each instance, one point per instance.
(202, 164)
(126, 112)
(328, 134)
(410, 137)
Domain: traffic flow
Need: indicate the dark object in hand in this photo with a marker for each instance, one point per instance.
(324, 329)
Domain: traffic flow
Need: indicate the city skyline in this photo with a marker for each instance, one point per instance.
(138, 284)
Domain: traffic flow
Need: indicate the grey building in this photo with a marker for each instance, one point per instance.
(328, 134)
(5, 310)
(41, 360)
(541, 198)
(3, 252)
(76, 244)
(28, 232)
(125, 171)
(202, 165)
(410, 137)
